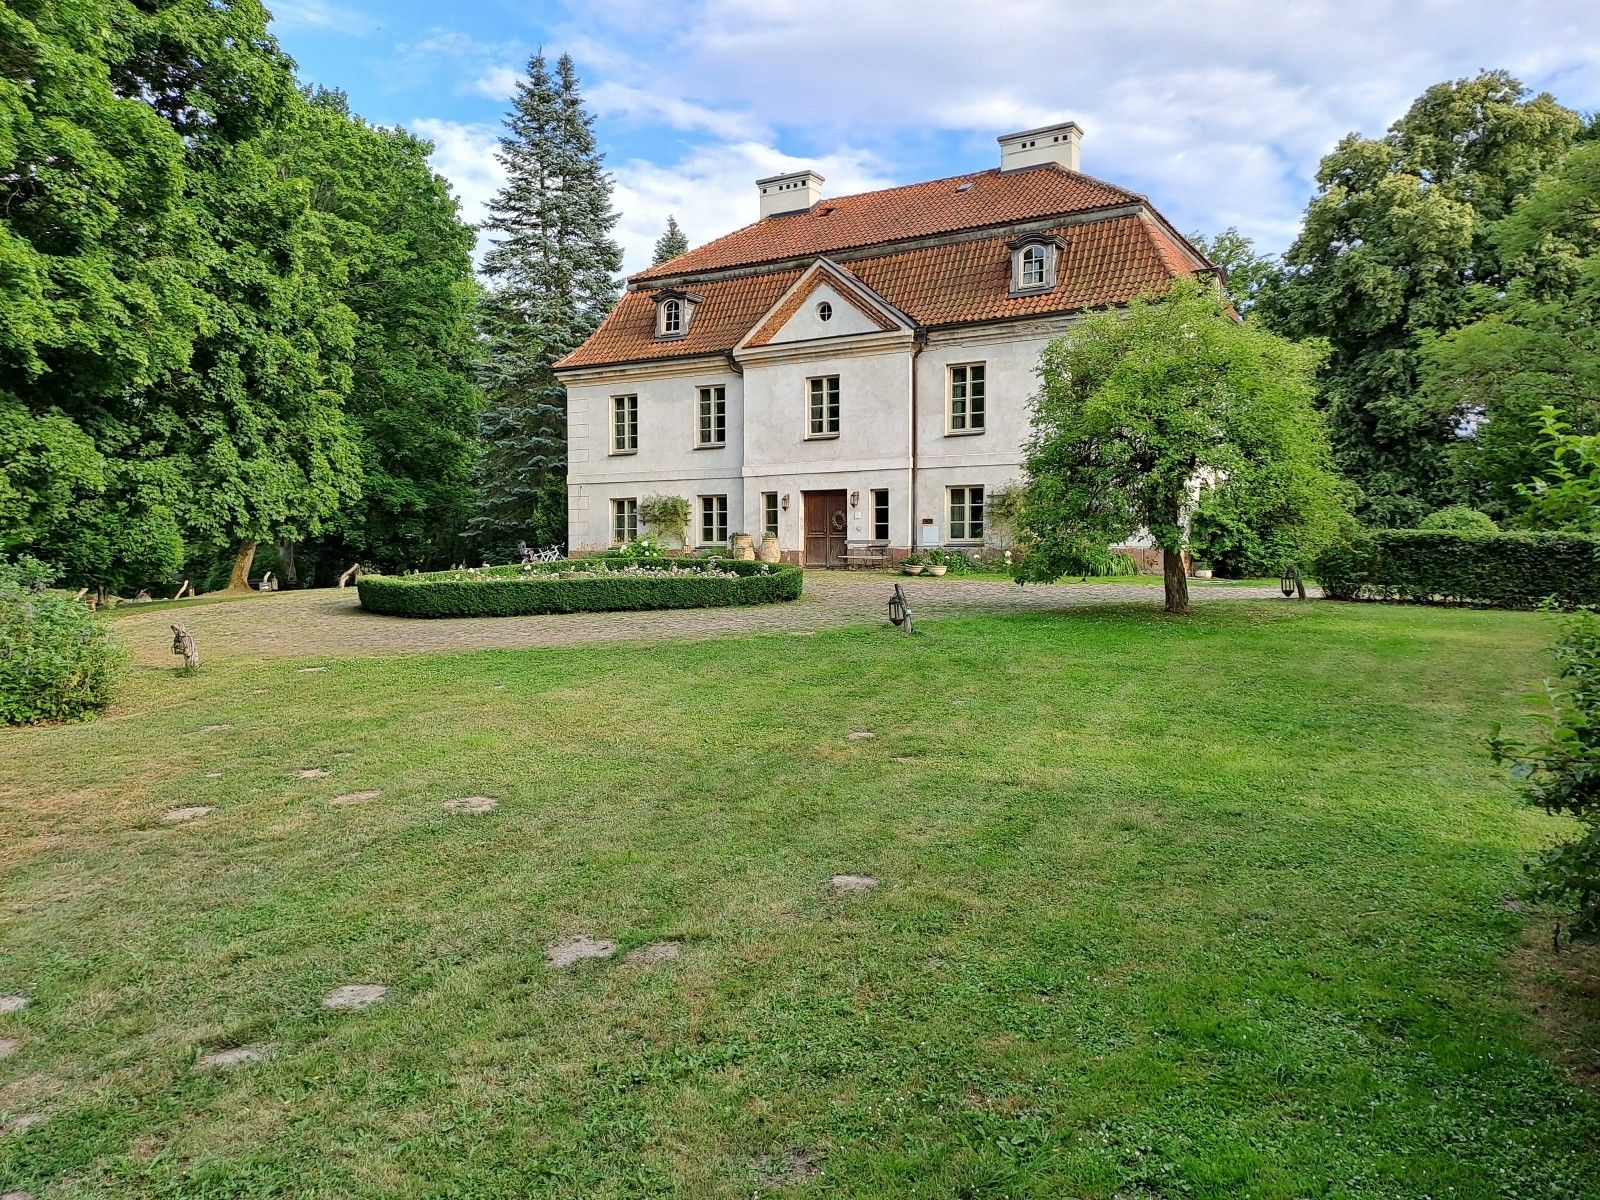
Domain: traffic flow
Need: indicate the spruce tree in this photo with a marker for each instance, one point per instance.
(671, 243)
(552, 277)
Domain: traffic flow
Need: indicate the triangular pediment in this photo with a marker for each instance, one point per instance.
(827, 301)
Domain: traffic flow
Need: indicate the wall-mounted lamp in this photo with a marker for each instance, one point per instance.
(785, 502)
(855, 499)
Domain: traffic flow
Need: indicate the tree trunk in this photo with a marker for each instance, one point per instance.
(239, 579)
(1177, 583)
(286, 559)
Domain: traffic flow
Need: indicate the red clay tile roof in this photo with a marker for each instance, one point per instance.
(1105, 262)
(895, 214)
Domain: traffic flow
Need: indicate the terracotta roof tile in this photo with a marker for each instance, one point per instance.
(895, 214)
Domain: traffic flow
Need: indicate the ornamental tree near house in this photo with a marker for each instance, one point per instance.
(1137, 407)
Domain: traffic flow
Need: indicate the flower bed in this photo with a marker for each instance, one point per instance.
(601, 584)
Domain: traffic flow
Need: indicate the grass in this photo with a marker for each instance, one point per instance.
(1203, 908)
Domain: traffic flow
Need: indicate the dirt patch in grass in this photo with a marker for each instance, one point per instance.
(655, 952)
(186, 814)
(356, 797)
(231, 1057)
(471, 804)
(846, 884)
(862, 735)
(20, 1122)
(1562, 990)
(570, 950)
(215, 728)
(9, 1046)
(355, 995)
(787, 1167)
(311, 773)
(11, 1004)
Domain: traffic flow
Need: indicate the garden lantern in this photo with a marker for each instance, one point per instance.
(899, 610)
(1290, 583)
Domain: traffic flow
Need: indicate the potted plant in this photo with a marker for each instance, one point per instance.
(768, 551)
(938, 562)
(741, 545)
(1202, 569)
(912, 564)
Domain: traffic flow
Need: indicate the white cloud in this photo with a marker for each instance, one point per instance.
(318, 14)
(650, 107)
(465, 155)
(497, 83)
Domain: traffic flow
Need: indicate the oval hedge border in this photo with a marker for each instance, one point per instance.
(531, 591)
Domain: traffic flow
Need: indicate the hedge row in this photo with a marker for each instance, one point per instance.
(1500, 570)
(528, 591)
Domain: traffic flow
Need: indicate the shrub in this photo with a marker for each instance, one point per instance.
(1500, 570)
(1561, 774)
(1458, 518)
(584, 585)
(58, 661)
(666, 514)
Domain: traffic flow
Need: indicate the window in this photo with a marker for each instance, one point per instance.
(824, 311)
(966, 514)
(712, 429)
(624, 521)
(624, 424)
(1033, 263)
(965, 414)
(880, 514)
(769, 513)
(671, 318)
(824, 406)
(1032, 273)
(713, 520)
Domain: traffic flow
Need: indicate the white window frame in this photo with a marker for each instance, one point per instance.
(1040, 253)
(961, 416)
(624, 520)
(714, 520)
(769, 513)
(710, 416)
(823, 420)
(625, 423)
(961, 500)
(672, 317)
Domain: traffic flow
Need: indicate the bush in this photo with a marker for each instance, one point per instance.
(1458, 518)
(1561, 774)
(1500, 570)
(584, 585)
(58, 661)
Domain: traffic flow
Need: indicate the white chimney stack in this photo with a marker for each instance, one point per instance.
(1048, 144)
(794, 192)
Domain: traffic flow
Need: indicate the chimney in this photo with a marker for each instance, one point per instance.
(1048, 144)
(794, 192)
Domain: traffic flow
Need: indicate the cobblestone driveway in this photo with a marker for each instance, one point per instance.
(328, 622)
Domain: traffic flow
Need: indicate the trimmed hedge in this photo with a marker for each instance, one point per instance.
(1498, 570)
(528, 591)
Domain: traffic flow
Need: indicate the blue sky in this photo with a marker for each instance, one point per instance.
(1216, 109)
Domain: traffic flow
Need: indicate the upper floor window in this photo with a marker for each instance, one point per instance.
(1033, 263)
(674, 311)
(711, 427)
(624, 424)
(823, 406)
(671, 317)
(964, 412)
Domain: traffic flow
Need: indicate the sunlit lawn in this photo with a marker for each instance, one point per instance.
(1166, 909)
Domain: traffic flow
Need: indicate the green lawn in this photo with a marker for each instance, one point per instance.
(1204, 908)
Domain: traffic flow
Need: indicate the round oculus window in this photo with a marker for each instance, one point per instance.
(824, 311)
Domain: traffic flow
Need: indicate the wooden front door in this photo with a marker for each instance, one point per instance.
(827, 523)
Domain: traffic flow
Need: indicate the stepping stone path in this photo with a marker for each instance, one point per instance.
(861, 735)
(11, 1004)
(23, 1121)
(575, 949)
(215, 728)
(653, 953)
(311, 773)
(9, 1046)
(231, 1058)
(472, 804)
(354, 995)
(355, 797)
(845, 884)
(185, 814)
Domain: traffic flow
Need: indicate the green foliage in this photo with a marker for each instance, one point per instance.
(1137, 406)
(58, 661)
(1568, 494)
(1497, 570)
(1459, 518)
(601, 584)
(1246, 273)
(1538, 344)
(670, 244)
(667, 515)
(552, 279)
(644, 546)
(1396, 245)
(1560, 773)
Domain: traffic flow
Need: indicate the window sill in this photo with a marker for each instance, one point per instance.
(822, 437)
(621, 453)
(711, 445)
(965, 432)
(1041, 290)
(672, 337)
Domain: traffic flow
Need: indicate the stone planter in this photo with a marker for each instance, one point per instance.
(741, 546)
(768, 551)
(1202, 573)
(937, 568)
(911, 568)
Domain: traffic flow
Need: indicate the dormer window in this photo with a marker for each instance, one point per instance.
(674, 310)
(1033, 264)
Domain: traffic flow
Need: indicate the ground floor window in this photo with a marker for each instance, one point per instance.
(769, 513)
(966, 514)
(624, 521)
(713, 520)
(880, 514)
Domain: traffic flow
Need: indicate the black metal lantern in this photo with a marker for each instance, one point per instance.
(899, 610)
(1290, 583)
